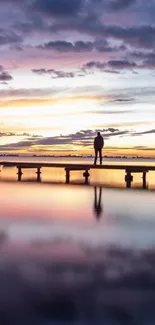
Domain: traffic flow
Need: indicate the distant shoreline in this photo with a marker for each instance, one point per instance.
(75, 156)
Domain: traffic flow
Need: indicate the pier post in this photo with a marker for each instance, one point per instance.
(19, 174)
(67, 175)
(144, 180)
(38, 174)
(128, 179)
(86, 175)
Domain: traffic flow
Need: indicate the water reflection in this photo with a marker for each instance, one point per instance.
(98, 202)
(78, 271)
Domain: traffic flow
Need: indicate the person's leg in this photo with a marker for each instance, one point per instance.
(100, 153)
(96, 152)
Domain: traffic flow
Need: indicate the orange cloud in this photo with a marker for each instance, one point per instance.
(39, 101)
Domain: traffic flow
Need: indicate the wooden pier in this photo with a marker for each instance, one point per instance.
(85, 168)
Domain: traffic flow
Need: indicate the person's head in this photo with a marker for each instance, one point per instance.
(98, 134)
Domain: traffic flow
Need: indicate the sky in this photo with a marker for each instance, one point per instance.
(70, 68)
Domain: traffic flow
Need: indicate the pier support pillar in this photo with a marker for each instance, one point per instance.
(38, 174)
(67, 176)
(128, 179)
(19, 174)
(86, 176)
(144, 180)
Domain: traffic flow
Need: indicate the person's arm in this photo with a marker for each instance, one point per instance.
(94, 142)
(102, 142)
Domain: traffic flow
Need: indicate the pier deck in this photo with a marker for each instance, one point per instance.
(68, 167)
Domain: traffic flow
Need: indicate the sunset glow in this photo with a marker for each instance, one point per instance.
(70, 68)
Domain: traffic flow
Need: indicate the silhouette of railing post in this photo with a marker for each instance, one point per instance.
(144, 180)
(128, 179)
(19, 174)
(38, 174)
(67, 175)
(86, 175)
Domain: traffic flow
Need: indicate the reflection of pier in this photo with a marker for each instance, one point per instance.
(129, 170)
(98, 201)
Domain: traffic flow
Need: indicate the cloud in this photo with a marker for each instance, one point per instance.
(58, 8)
(144, 132)
(147, 58)
(4, 83)
(64, 46)
(68, 9)
(138, 36)
(142, 36)
(55, 74)
(143, 54)
(110, 112)
(15, 134)
(102, 46)
(120, 4)
(95, 65)
(84, 17)
(81, 138)
(110, 66)
(9, 37)
(121, 64)
(4, 75)
(123, 100)
(25, 94)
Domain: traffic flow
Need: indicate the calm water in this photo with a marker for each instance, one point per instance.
(73, 254)
(107, 178)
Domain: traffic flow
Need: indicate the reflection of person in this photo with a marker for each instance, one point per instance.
(98, 146)
(97, 202)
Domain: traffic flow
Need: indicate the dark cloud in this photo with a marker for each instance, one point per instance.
(32, 23)
(68, 8)
(121, 64)
(120, 4)
(12, 134)
(143, 54)
(144, 132)
(64, 46)
(83, 16)
(58, 7)
(81, 46)
(109, 66)
(139, 36)
(4, 75)
(95, 65)
(54, 74)
(147, 58)
(9, 37)
(104, 46)
(123, 100)
(4, 83)
(142, 36)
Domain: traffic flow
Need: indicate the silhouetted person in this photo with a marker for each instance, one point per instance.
(97, 202)
(98, 146)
